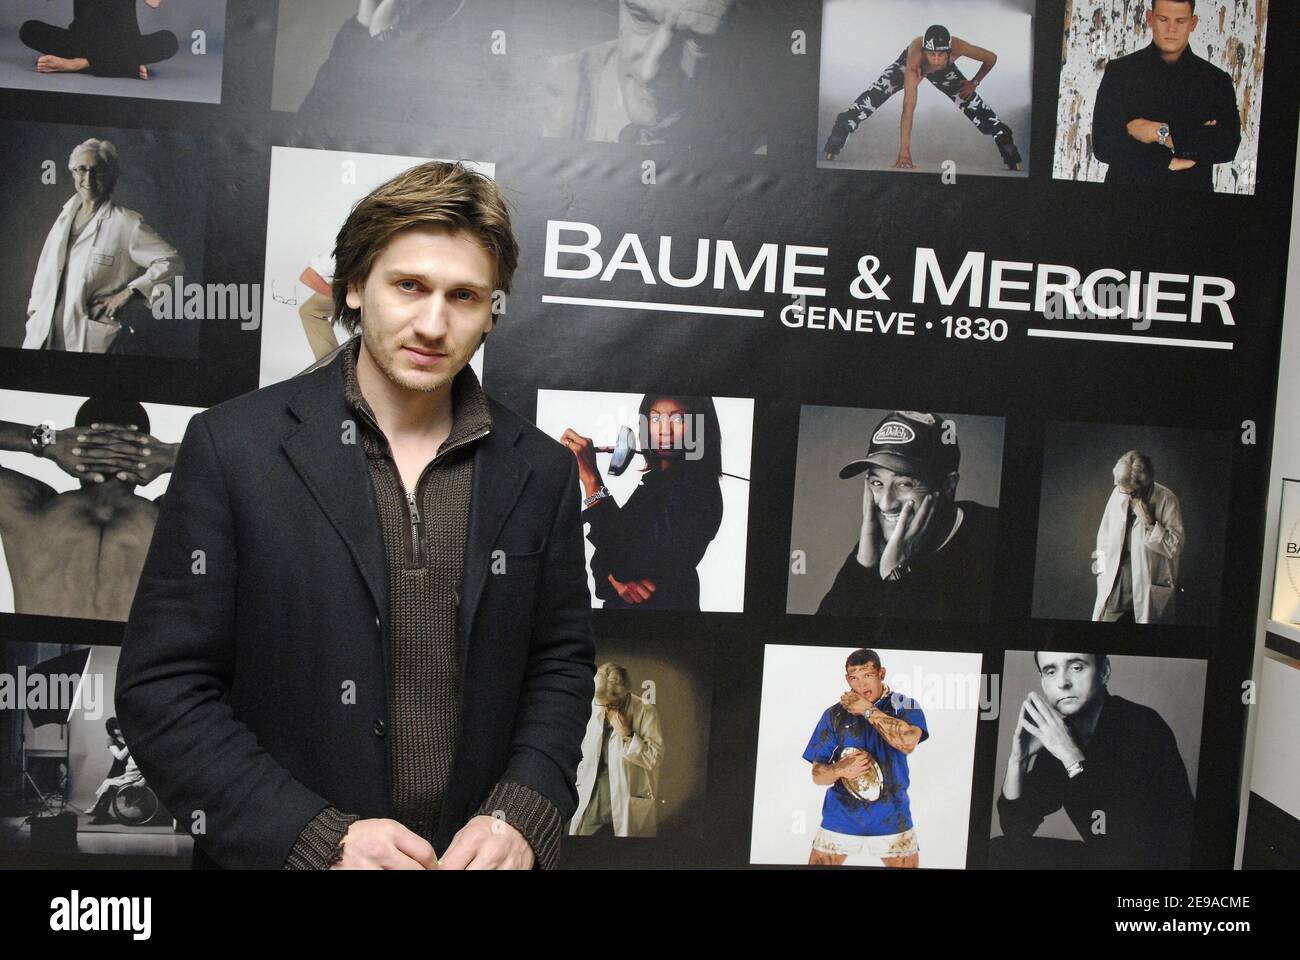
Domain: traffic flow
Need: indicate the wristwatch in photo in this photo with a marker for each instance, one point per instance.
(1074, 769)
(900, 571)
(600, 494)
(42, 437)
(1163, 134)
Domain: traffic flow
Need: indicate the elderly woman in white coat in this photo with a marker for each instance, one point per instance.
(1150, 513)
(96, 257)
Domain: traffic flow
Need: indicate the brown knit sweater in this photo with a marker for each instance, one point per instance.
(424, 538)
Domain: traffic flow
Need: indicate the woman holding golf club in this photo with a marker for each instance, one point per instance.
(647, 550)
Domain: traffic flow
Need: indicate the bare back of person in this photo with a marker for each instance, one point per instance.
(78, 553)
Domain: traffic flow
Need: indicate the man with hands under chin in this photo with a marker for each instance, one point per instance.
(1113, 766)
(920, 551)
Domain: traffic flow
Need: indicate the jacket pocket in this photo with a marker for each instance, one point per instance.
(100, 334)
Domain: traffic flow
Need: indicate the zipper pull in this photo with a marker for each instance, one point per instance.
(415, 511)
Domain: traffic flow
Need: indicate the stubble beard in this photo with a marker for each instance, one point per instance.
(388, 365)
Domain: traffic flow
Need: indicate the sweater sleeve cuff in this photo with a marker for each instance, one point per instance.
(532, 815)
(317, 847)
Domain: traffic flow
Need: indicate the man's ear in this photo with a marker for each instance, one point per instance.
(950, 484)
(354, 296)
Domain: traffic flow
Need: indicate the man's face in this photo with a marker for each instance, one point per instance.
(90, 176)
(1070, 681)
(867, 680)
(1124, 482)
(1172, 23)
(663, 46)
(426, 306)
(937, 59)
(613, 697)
(891, 489)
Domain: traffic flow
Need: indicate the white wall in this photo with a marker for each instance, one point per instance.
(1271, 753)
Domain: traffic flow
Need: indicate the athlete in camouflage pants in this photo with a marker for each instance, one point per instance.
(931, 57)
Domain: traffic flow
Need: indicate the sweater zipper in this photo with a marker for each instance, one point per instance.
(415, 539)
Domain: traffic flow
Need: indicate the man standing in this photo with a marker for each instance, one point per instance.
(618, 779)
(362, 634)
(859, 751)
(97, 257)
(1112, 764)
(932, 57)
(1138, 544)
(1163, 115)
(920, 551)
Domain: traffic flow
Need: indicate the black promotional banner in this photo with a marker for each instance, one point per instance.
(972, 309)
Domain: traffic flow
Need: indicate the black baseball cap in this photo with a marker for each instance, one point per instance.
(938, 38)
(908, 442)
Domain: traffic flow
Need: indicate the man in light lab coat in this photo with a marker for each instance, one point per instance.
(618, 778)
(1138, 545)
(96, 258)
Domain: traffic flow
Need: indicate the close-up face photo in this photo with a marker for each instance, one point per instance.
(90, 175)
(1070, 681)
(666, 426)
(937, 59)
(867, 680)
(891, 490)
(1172, 23)
(664, 46)
(426, 305)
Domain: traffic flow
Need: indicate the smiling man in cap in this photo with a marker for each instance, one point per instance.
(921, 552)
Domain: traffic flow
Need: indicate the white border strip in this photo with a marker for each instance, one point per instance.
(665, 307)
(1130, 338)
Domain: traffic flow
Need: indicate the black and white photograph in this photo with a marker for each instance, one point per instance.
(81, 483)
(895, 514)
(664, 485)
(636, 72)
(679, 72)
(865, 756)
(1163, 94)
(457, 63)
(1131, 524)
(1097, 760)
(103, 240)
(926, 85)
(311, 193)
(69, 783)
(645, 751)
(149, 49)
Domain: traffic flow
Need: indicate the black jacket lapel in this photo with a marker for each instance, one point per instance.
(499, 477)
(336, 472)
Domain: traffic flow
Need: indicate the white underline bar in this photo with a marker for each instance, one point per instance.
(1131, 338)
(666, 307)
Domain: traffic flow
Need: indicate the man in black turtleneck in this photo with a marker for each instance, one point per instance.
(1113, 765)
(1164, 116)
